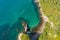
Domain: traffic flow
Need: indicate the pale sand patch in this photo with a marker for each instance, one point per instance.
(19, 36)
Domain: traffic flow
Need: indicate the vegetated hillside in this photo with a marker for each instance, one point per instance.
(51, 9)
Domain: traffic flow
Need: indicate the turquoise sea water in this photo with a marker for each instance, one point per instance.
(10, 12)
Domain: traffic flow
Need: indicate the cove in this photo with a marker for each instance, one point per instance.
(10, 12)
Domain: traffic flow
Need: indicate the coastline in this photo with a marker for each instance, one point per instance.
(43, 18)
(40, 15)
(40, 27)
(41, 24)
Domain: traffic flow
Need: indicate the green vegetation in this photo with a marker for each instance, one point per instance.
(51, 9)
(25, 37)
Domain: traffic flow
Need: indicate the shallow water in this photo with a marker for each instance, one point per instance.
(10, 12)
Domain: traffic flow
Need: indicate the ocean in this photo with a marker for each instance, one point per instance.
(10, 13)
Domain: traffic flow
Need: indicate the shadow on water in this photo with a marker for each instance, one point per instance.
(8, 32)
(4, 32)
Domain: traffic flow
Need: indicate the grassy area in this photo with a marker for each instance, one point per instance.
(51, 9)
(25, 37)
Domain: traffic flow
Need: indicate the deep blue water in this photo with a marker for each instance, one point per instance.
(10, 12)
